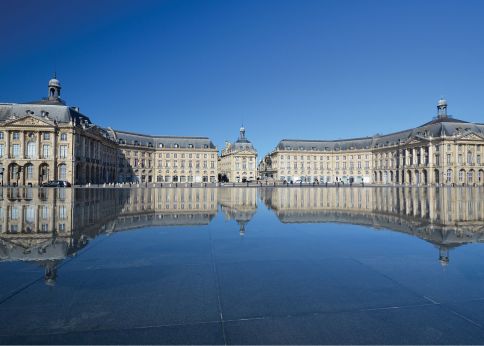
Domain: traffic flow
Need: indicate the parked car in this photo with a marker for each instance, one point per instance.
(57, 183)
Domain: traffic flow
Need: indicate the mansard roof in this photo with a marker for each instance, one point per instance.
(53, 110)
(438, 127)
(131, 138)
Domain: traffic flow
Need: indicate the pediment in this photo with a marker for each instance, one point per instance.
(471, 136)
(415, 140)
(245, 152)
(29, 120)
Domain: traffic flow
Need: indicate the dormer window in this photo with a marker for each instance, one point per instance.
(136, 143)
(205, 146)
(160, 145)
(176, 145)
(190, 146)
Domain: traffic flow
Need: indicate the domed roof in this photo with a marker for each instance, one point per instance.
(442, 102)
(54, 82)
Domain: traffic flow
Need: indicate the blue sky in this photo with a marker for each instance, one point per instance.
(285, 69)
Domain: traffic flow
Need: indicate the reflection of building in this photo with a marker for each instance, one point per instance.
(444, 150)
(238, 160)
(446, 217)
(168, 207)
(44, 226)
(239, 204)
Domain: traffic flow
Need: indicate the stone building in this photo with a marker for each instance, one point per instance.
(47, 140)
(165, 159)
(445, 150)
(238, 160)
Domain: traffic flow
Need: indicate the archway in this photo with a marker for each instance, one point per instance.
(28, 176)
(13, 175)
(424, 177)
(44, 172)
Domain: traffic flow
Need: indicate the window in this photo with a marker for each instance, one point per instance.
(31, 150)
(46, 136)
(63, 137)
(16, 135)
(29, 171)
(176, 145)
(461, 176)
(469, 158)
(470, 177)
(449, 175)
(160, 146)
(62, 172)
(45, 151)
(1, 150)
(1, 135)
(63, 151)
(16, 150)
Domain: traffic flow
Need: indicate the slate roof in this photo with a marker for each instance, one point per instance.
(445, 126)
(125, 137)
(53, 110)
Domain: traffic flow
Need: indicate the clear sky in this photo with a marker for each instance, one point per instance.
(315, 69)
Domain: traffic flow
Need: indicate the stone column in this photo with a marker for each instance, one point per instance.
(22, 144)
(7, 144)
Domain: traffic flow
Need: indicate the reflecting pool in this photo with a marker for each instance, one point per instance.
(284, 265)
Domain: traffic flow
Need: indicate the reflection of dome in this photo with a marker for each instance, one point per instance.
(442, 102)
(54, 82)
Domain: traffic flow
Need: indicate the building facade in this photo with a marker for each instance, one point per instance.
(47, 140)
(165, 159)
(443, 151)
(238, 160)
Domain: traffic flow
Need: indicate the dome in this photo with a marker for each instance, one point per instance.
(54, 82)
(442, 102)
(242, 129)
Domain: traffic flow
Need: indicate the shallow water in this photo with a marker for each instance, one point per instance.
(242, 265)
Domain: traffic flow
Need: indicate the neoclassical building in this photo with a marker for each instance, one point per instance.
(444, 150)
(165, 159)
(47, 140)
(238, 160)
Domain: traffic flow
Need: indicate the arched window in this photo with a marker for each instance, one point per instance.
(461, 175)
(62, 172)
(29, 171)
(470, 176)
